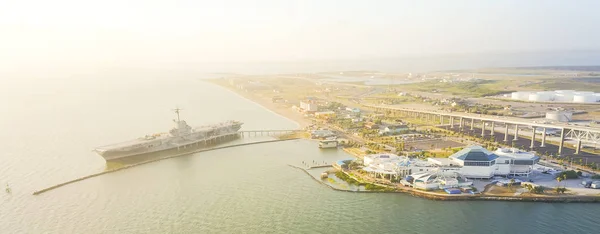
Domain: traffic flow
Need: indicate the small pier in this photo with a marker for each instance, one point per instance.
(251, 133)
(315, 164)
(320, 166)
(215, 140)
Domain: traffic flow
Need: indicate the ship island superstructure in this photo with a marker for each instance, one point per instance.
(182, 135)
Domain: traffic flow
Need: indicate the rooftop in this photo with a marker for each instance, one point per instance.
(441, 161)
(474, 153)
(382, 156)
(516, 156)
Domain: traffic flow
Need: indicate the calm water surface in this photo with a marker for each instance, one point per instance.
(50, 126)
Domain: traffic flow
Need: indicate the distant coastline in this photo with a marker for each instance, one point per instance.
(286, 113)
(291, 115)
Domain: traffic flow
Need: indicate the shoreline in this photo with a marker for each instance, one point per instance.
(449, 197)
(302, 122)
(266, 104)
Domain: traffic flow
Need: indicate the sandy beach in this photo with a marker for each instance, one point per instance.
(283, 109)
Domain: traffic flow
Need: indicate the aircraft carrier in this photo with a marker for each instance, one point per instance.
(181, 136)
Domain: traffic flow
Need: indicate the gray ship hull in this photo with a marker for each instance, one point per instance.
(181, 147)
(178, 139)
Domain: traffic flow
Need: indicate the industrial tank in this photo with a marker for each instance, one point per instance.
(560, 116)
(585, 98)
(540, 97)
(563, 97)
(523, 96)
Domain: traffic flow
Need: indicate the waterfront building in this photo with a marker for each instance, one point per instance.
(476, 162)
(394, 166)
(321, 134)
(308, 106)
(392, 129)
(439, 179)
(473, 161)
(514, 162)
(372, 159)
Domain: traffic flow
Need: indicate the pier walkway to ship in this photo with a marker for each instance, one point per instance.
(249, 133)
(206, 143)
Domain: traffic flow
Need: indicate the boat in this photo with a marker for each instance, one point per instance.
(180, 136)
(328, 144)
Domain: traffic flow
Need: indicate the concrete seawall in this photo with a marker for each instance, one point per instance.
(451, 197)
(154, 160)
(331, 187)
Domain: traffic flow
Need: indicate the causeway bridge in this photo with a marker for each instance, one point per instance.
(464, 120)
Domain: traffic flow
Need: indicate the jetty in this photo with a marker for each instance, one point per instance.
(320, 166)
(156, 160)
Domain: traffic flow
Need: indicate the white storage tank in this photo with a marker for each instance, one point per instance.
(565, 91)
(523, 96)
(550, 94)
(584, 98)
(540, 97)
(560, 116)
(597, 96)
(563, 97)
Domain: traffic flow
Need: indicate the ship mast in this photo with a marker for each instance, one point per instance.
(177, 112)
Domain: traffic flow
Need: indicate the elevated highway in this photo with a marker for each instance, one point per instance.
(578, 133)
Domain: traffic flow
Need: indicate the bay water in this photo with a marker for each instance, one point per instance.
(49, 127)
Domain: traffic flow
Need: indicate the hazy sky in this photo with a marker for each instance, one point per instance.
(72, 32)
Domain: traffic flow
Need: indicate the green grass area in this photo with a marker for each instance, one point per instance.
(565, 84)
(344, 177)
(472, 89)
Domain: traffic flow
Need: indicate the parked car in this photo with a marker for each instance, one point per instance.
(595, 185)
(586, 183)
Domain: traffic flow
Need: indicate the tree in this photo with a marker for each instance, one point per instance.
(512, 181)
(558, 179)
